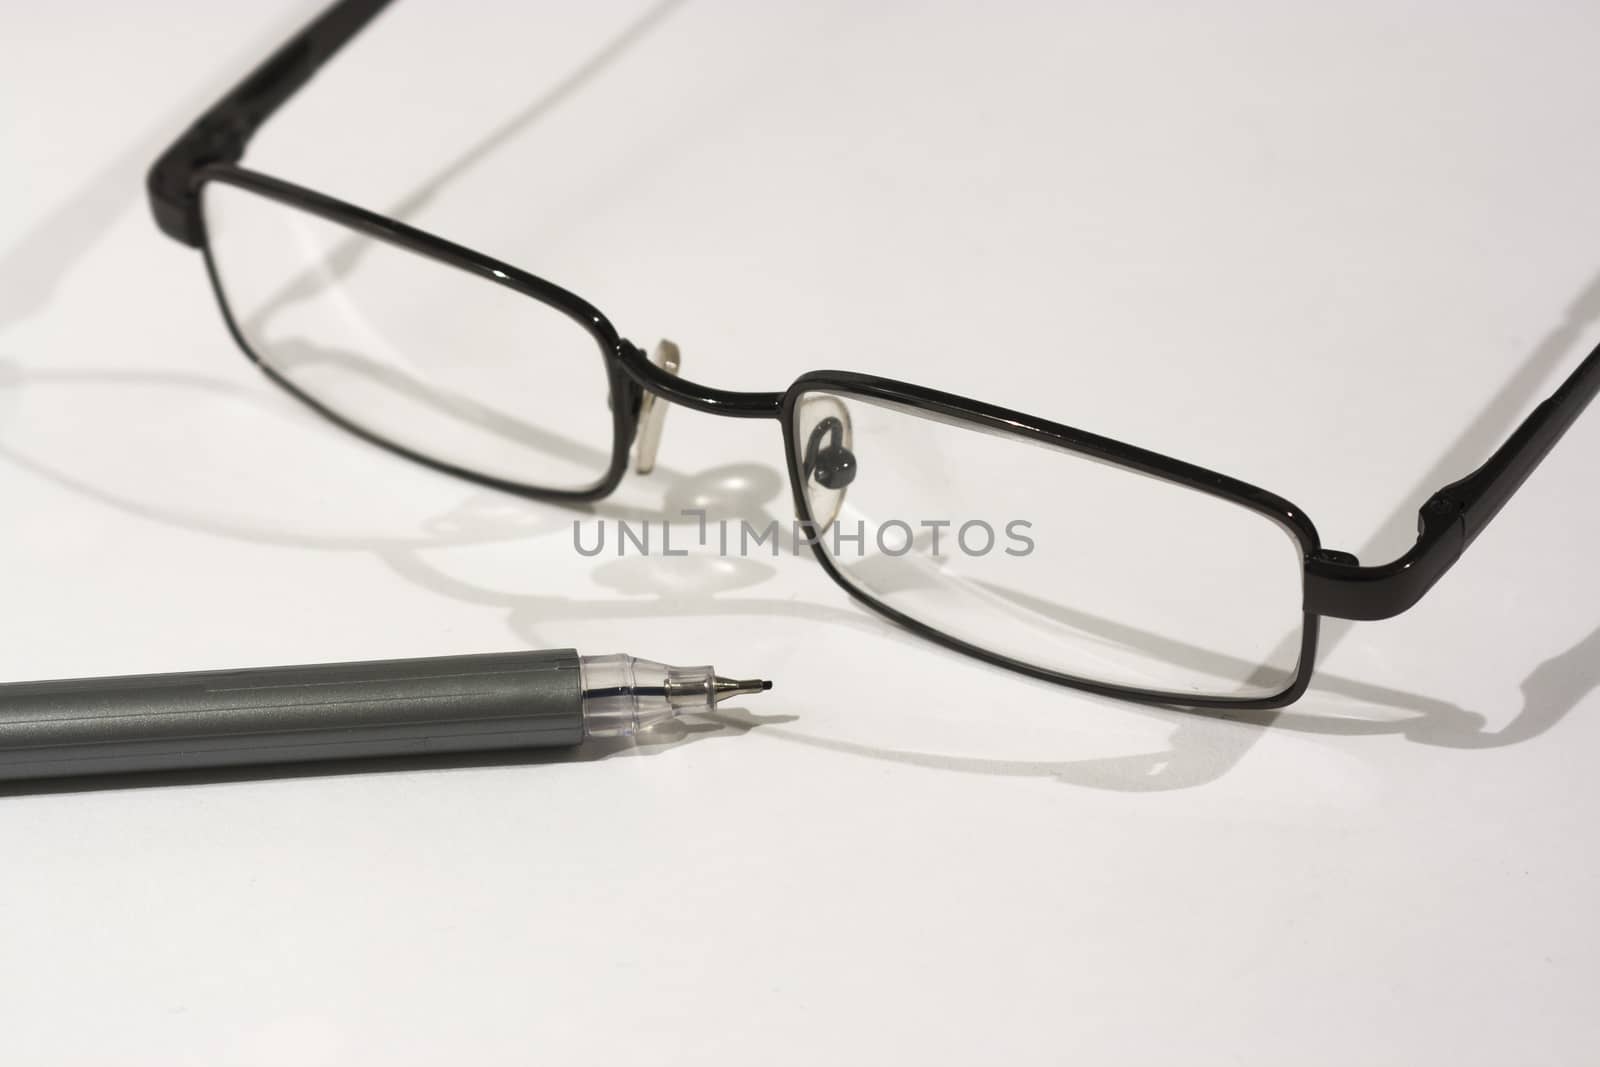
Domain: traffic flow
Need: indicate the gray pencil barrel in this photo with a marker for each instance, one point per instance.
(334, 711)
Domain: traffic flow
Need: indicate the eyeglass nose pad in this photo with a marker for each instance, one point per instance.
(653, 409)
(827, 463)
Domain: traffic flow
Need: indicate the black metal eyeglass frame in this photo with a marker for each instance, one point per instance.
(1335, 583)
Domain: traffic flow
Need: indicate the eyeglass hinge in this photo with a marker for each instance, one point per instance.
(214, 139)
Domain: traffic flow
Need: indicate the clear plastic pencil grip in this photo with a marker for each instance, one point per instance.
(624, 694)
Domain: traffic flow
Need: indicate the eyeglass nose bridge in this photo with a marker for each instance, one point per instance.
(693, 395)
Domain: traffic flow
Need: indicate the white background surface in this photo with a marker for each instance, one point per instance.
(1336, 251)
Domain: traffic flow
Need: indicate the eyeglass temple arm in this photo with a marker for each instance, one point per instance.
(220, 135)
(1452, 518)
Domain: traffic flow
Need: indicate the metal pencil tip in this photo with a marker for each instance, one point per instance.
(723, 688)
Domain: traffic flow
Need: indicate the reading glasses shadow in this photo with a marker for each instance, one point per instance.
(1019, 541)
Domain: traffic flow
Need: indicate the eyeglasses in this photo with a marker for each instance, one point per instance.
(1024, 543)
